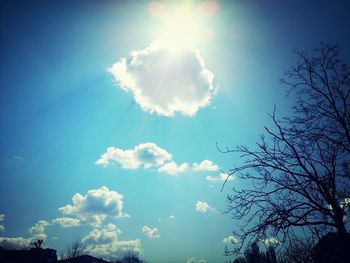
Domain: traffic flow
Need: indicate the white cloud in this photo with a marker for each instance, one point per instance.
(2, 227)
(145, 155)
(150, 232)
(66, 222)
(205, 165)
(230, 240)
(173, 169)
(166, 82)
(221, 177)
(195, 260)
(203, 207)
(38, 230)
(104, 242)
(106, 235)
(172, 217)
(95, 206)
(270, 241)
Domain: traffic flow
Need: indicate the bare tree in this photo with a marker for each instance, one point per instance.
(76, 249)
(298, 173)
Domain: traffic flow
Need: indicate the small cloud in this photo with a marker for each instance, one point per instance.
(195, 260)
(54, 238)
(18, 158)
(146, 155)
(205, 165)
(38, 230)
(2, 217)
(2, 228)
(270, 242)
(173, 169)
(230, 240)
(221, 178)
(166, 82)
(172, 217)
(203, 207)
(150, 232)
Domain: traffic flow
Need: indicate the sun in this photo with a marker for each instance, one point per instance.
(179, 30)
(180, 26)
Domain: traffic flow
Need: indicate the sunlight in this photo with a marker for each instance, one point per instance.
(180, 26)
(180, 30)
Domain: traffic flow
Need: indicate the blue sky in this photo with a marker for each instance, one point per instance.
(80, 77)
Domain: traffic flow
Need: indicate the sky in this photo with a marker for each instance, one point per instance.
(112, 112)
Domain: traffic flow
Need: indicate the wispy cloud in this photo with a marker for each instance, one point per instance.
(166, 82)
(2, 227)
(196, 260)
(220, 178)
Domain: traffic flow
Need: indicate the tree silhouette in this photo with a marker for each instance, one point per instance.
(253, 255)
(299, 172)
(130, 257)
(38, 243)
(76, 249)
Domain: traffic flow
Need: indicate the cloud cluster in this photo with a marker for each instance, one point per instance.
(166, 82)
(150, 232)
(149, 155)
(104, 242)
(230, 240)
(195, 260)
(221, 178)
(92, 208)
(203, 207)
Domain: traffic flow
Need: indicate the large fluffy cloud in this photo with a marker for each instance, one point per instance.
(165, 81)
(150, 232)
(145, 155)
(95, 206)
(104, 242)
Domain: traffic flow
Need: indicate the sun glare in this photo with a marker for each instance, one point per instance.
(181, 26)
(180, 30)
